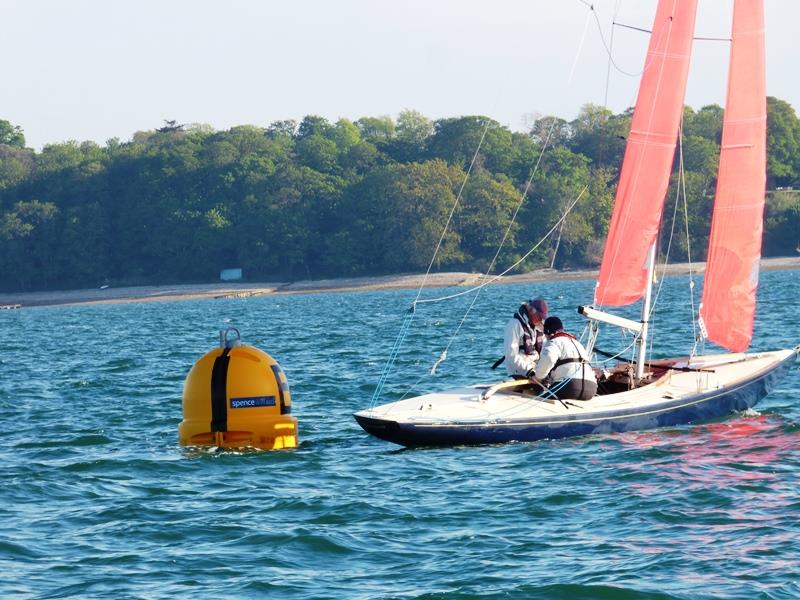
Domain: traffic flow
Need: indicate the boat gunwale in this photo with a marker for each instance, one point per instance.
(656, 408)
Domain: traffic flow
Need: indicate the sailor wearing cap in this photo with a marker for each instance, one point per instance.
(564, 364)
(523, 338)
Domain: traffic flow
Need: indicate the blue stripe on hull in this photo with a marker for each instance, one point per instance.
(701, 407)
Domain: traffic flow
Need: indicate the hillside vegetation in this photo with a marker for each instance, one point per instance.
(320, 199)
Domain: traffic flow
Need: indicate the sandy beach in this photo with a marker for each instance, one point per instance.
(243, 290)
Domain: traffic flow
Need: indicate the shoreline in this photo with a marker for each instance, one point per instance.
(156, 293)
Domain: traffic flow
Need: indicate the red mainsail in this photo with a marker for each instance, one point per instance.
(734, 251)
(644, 177)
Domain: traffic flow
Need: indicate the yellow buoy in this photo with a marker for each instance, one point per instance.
(237, 396)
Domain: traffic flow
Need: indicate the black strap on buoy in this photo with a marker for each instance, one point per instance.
(282, 389)
(219, 392)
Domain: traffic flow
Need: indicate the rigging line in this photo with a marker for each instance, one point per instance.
(392, 357)
(680, 187)
(443, 355)
(516, 264)
(523, 197)
(578, 53)
(623, 25)
(407, 322)
(620, 353)
(455, 204)
(403, 332)
(413, 385)
(674, 214)
(545, 145)
(686, 221)
(535, 168)
(528, 402)
(688, 252)
(651, 313)
(610, 48)
(696, 38)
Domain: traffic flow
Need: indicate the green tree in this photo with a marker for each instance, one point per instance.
(560, 179)
(550, 131)
(11, 135)
(313, 125)
(458, 140)
(705, 123)
(16, 165)
(783, 144)
(483, 218)
(401, 210)
(411, 135)
(700, 202)
(318, 199)
(700, 155)
(376, 129)
(279, 229)
(782, 224)
(82, 255)
(600, 135)
(27, 234)
(282, 128)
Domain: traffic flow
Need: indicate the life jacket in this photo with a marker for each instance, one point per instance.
(531, 337)
(565, 361)
(562, 334)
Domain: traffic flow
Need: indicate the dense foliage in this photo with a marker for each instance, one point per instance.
(320, 199)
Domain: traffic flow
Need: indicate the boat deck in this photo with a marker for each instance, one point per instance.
(671, 389)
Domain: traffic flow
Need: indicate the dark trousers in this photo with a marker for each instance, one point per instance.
(575, 389)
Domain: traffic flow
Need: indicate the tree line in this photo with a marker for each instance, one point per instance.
(321, 199)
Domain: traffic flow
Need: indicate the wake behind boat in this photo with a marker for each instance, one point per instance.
(647, 394)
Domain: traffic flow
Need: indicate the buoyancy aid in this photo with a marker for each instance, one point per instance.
(565, 361)
(532, 338)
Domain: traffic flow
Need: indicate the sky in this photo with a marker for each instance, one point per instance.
(98, 69)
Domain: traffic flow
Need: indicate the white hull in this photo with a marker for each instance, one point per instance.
(719, 385)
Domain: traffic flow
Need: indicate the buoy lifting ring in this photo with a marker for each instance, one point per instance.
(224, 342)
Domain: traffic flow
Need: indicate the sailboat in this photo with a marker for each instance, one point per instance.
(655, 393)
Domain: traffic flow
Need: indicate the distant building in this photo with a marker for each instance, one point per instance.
(230, 274)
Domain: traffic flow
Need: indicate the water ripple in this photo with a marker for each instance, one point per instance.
(100, 501)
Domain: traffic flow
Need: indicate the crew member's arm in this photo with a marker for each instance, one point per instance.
(519, 363)
(547, 360)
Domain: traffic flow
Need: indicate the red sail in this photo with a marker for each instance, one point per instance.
(734, 250)
(644, 177)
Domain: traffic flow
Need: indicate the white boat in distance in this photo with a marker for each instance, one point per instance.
(659, 393)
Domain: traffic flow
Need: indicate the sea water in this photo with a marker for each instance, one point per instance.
(99, 500)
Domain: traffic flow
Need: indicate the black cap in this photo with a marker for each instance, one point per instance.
(552, 325)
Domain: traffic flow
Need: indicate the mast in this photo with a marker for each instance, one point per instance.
(642, 341)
